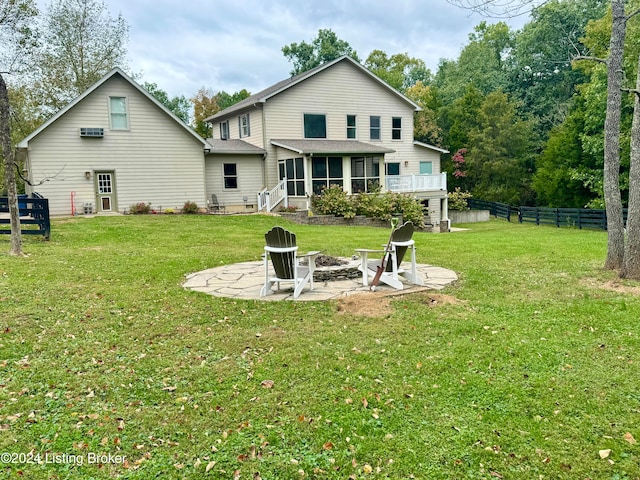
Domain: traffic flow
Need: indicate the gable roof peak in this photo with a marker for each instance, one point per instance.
(114, 71)
(277, 88)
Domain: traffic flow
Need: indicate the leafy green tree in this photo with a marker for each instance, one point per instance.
(481, 63)
(567, 176)
(180, 106)
(457, 120)
(400, 70)
(324, 48)
(206, 103)
(540, 72)
(17, 37)
(225, 100)
(499, 161)
(81, 43)
(425, 122)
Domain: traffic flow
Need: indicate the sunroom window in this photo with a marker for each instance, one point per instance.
(326, 171)
(365, 174)
(293, 170)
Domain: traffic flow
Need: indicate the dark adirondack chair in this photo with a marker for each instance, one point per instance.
(401, 241)
(282, 250)
(214, 205)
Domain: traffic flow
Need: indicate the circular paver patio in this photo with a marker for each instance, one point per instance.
(244, 281)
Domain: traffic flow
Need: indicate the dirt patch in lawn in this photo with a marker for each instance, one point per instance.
(378, 304)
(613, 286)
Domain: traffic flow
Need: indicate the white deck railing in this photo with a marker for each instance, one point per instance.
(269, 199)
(416, 183)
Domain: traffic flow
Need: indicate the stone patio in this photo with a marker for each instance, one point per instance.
(244, 281)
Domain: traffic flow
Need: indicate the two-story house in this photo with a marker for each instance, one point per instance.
(116, 145)
(337, 124)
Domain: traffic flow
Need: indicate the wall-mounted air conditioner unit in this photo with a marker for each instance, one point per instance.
(92, 132)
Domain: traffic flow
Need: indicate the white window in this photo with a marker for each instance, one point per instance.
(243, 125)
(118, 113)
(224, 130)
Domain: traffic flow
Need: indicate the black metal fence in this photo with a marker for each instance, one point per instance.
(499, 210)
(34, 215)
(559, 217)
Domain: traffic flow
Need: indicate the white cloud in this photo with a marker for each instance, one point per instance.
(184, 45)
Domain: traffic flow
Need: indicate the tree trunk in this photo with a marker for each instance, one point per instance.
(631, 266)
(612, 198)
(10, 174)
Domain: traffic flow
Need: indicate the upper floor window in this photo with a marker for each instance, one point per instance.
(396, 128)
(315, 126)
(374, 128)
(118, 113)
(351, 126)
(426, 168)
(243, 125)
(224, 130)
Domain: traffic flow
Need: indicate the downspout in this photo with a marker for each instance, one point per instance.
(265, 169)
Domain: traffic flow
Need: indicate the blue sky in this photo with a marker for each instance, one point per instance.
(226, 45)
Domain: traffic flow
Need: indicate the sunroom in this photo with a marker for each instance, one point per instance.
(308, 166)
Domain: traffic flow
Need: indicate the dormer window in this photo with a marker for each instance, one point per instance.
(224, 130)
(244, 125)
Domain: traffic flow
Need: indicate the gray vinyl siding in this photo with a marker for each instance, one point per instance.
(255, 123)
(249, 170)
(156, 161)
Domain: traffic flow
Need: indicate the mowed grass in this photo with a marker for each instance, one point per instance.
(530, 372)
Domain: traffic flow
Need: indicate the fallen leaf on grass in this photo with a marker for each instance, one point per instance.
(327, 446)
(209, 466)
(604, 453)
(496, 474)
(629, 438)
(267, 384)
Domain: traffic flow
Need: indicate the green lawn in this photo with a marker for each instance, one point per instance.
(530, 373)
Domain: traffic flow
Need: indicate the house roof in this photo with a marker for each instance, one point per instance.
(431, 147)
(273, 90)
(234, 147)
(116, 71)
(346, 147)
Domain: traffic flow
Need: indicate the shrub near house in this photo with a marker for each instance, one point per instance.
(382, 206)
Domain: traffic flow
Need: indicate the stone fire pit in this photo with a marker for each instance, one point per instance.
(335, 268)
